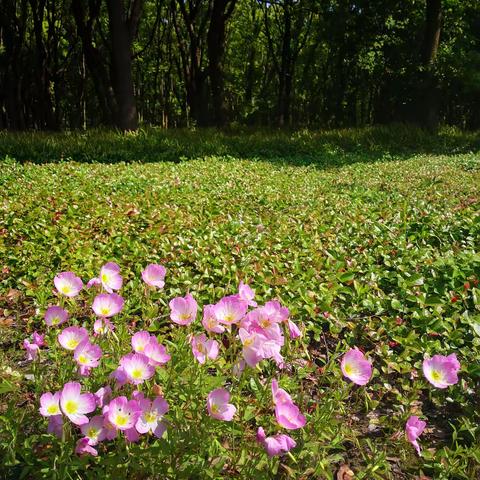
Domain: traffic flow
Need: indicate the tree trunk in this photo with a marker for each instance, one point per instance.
(285, 75)
(43, 113)
(121, 34)
(94, 58)
(12, 37)
(221, 11)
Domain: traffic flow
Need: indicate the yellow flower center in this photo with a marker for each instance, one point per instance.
(185, 316)
(348, 369)
(229, 317)
(53, 409)
(121, 420)
(212, 323)
(137, 373)
(55, 320)
(104, 278)
(72, 343)
(71, 406)
(66, 289)
(82, 359)
(200, 347)
(265, 323)
(248, 342)
(214, 408)
(92, 433)
(150, 417)
(105, 311)
(436, 375)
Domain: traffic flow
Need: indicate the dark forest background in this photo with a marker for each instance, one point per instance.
(68, 64)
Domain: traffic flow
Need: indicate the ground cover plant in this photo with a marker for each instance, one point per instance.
(369, 249)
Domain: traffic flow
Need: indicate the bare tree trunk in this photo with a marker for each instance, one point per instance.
(285, 74)
(12, 32)
(44, 115)
(221, 12)
(122, 32)
(94, 58)
(191, 49)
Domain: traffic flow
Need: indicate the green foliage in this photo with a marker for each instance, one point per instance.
(329, 148)
(367, 243)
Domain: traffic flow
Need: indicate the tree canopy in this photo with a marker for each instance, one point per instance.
(67, 64)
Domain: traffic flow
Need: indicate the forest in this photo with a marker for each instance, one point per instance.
(77, 64)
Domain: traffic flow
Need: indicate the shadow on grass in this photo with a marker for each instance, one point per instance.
(324, 149)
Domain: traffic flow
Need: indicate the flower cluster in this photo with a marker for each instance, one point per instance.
(236, 328)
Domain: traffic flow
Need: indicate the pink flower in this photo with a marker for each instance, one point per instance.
(356, 367)
(32, 350)
(441, 371)
(49, 404)
(68, 284)
(183, 310)
(277, 445)
(110, 430)
(140, 340)
(107, 304)
(87, 356)
(246, 294)
(218, 406)
(83, 447)
(102, 326)
(230, 310)
(203, 348)
(279, 395)
(55, 316)
(39, 339)
(94, 430)
(120, 376)
(238, 367)
(136, 367)
(154, 275)
(275, 310)
(262, 318)
(210, 321)
(123, 414)
(293, 330)
(103, 395)
(55, 425)
(288, 415)
(152, 414)
(110, 277)
(71, 337)
(93, 282)
(75, 405)
(132, 435)
(252, 346)
(156, 353)
(413, 429)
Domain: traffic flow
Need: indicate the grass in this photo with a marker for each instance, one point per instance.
(370, 237)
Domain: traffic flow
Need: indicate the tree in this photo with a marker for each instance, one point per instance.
(430, 92)
(123, 29)
(221, 11)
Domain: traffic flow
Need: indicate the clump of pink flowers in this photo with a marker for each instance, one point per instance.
(32, 346)
(133, 372)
